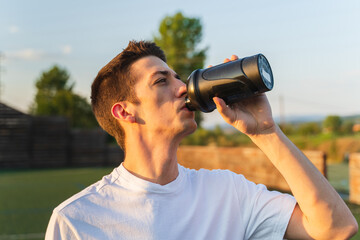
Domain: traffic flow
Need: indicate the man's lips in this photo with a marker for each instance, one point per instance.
(183, 107)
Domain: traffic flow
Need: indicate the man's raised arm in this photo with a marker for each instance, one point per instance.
(320, 213)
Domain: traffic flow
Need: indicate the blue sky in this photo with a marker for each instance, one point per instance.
(313, 46)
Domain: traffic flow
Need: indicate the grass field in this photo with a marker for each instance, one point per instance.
(27, 197)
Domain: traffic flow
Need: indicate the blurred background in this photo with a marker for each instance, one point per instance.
(313, 47)
(50, 52)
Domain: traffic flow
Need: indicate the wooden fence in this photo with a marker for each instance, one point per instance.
(14, 136)
(27, 141)
(251, 162)
(49, 144)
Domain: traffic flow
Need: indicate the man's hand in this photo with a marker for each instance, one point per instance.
(321, 213)
(251, 116)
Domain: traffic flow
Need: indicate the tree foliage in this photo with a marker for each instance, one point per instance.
(55, 97)
(347, 127)
(332, 124)
(309, 128)
(179, 37)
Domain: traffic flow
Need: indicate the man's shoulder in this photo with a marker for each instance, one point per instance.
(85, 196)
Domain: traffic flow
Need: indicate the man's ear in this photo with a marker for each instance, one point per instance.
(120, 112)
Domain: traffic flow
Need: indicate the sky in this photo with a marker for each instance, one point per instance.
(313, 46)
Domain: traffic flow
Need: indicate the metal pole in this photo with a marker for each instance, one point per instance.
(1, 55)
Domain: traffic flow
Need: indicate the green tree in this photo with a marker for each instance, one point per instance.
(201, 137)
(310, 128)
(179, 37)
(55, 97)
(287, 128)
(347, 127)
(332, 124)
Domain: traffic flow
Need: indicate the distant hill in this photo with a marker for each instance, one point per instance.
(315, 118)
(302, 119)
(294, 120)
(354, 118)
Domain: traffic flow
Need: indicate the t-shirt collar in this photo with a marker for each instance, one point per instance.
(131, 181)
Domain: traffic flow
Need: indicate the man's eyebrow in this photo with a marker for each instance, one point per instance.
(164, 72)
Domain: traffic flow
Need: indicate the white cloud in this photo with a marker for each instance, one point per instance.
(13, 29)
(31, 54)
(67, 49)
(26, 54)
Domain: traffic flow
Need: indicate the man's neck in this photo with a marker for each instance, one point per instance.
(152, 159)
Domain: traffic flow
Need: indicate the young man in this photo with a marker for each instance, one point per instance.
(140, 101)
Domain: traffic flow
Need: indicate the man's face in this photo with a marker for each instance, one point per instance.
(161, 96)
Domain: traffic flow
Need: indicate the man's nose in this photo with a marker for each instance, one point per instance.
(181, 91)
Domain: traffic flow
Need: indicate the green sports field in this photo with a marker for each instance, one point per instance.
(27, 197)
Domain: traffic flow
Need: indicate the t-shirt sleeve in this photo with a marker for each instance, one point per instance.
(58, 228)
(267, 213)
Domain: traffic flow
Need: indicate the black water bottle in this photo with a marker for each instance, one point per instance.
(232, 81)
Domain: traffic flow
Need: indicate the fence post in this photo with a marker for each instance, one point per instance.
(354, 177)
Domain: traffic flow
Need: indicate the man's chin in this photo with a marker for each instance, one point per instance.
(189, 128)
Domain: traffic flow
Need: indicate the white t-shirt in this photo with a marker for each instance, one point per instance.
(203, 204)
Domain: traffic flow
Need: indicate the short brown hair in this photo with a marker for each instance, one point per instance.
(115, 83)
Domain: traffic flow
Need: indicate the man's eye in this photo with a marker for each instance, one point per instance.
(161, 80)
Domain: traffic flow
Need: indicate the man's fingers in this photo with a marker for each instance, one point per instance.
(220, 104)
(234, 57)
(223, 109)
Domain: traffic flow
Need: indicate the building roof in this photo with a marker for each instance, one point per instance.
(9, 112)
